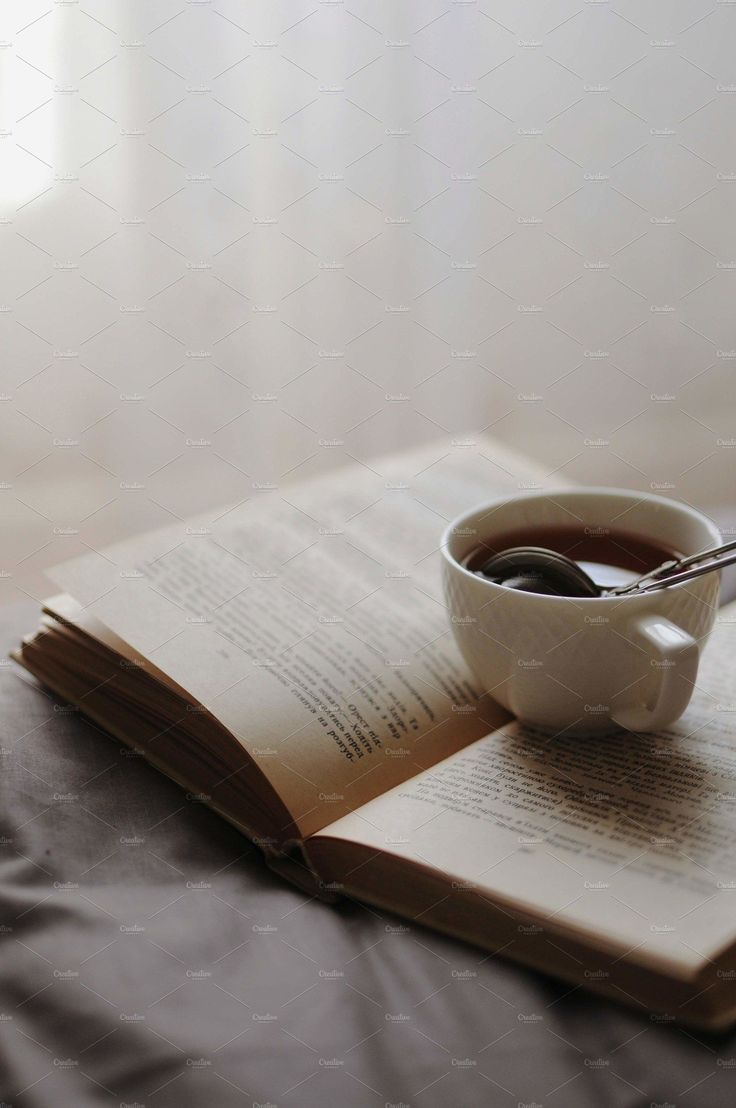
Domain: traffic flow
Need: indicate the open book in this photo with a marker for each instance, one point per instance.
(290, 661)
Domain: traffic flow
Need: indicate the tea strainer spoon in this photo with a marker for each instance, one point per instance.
(536, 569)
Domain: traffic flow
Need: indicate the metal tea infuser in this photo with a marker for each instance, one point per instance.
(535, 569)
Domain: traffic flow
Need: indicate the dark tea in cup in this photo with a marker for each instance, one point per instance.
(609, 556)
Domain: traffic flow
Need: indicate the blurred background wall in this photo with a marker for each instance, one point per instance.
(246, 241)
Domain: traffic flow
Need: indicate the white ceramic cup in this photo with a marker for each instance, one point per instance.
(583, 665)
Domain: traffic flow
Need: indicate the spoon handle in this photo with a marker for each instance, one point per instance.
(684, 569)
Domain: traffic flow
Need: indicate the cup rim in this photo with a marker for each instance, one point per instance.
(558, 493)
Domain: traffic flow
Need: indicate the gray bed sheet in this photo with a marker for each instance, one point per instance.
(150, 958)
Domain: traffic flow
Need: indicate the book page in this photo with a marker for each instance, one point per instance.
(309, 620)
(627, 838)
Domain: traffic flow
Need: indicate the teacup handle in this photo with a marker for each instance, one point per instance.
(676, 654)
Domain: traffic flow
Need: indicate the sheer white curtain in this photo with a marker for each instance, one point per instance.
(245, 241)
